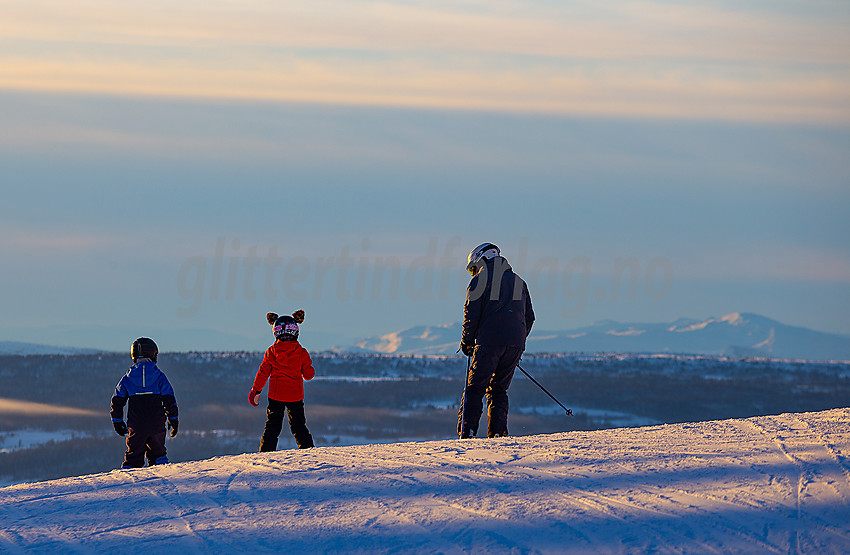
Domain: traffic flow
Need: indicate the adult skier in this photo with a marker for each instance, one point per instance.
(497, 318)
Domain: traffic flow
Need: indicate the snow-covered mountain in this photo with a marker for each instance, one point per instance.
(768, 484)
(424, 340)
(734, 334)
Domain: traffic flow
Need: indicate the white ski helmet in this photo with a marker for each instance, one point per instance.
(484, 251)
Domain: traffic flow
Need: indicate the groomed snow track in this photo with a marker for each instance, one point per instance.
(765, 484)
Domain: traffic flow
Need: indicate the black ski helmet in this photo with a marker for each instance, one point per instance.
(144, 347)
(484, 251)
(285, 328)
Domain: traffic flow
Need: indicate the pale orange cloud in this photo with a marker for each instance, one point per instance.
(620, 30)
(674, 93)
(636, 59)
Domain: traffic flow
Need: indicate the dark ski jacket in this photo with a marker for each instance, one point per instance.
(148, 395)
(498, 307)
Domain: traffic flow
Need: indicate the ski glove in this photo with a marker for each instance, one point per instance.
(254, 398)
(120, 428)
(172, 424)
(466, 348)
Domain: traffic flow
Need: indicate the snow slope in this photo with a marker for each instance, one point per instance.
(764, 484)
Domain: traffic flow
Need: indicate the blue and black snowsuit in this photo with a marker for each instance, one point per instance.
(150, 399)
(497, 318)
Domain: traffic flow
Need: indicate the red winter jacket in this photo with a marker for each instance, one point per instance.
(288, 364)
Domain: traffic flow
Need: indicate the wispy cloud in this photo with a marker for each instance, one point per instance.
(617, 30)
(17, 240)
(638, 92)
(769, 262)
(644, 59)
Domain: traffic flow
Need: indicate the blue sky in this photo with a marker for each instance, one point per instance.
(179, 171)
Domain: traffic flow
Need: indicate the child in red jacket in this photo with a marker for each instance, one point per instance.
(285, 365)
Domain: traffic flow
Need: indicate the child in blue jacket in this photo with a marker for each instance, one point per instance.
(150, 399)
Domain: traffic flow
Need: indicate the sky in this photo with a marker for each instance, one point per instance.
(178, 170)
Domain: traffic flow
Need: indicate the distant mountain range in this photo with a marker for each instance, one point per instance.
(736, 334)
(21, 348)
(98, 338)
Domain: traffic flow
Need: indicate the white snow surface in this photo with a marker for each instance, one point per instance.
(764, 484)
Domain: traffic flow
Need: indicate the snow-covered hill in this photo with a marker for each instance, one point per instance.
(764, 484)
(735, 334)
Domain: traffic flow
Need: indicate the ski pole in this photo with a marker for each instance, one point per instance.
(568, 411)
(463, 399)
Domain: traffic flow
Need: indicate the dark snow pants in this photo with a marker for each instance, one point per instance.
(143, 443)
(274, 424)
(490, 374)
